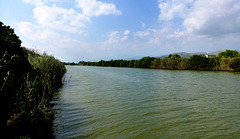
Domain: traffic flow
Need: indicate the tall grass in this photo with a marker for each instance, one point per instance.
(31, 116)
(51, 69)
(27, 82)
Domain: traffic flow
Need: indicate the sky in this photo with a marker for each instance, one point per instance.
(93, 30)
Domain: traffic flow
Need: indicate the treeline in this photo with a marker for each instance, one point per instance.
(27, 83)
(228, 60)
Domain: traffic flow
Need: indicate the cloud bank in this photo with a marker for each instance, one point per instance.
(188, 25)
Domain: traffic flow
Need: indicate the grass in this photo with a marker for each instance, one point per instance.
(31, 116)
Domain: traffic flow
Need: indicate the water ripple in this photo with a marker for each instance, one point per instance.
(138, 103)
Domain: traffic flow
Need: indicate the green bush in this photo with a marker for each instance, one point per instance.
(197, 62)
(51, 69)
(13, 67)
(27, 83)
(174, 62)
(229, 53)
(235, 63)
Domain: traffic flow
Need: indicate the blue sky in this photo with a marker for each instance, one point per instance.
(91, 30)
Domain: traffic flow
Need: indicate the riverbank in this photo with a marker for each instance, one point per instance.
(228, 60)
(28, 81)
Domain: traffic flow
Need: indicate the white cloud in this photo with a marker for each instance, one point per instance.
(176, 34)
(69, 20)
(59, 18)
(187, 25)
(46, 37)
(97, 8)
(116, 37)
(28, 29)
(50, 20)
(126, 32)
(62, 46)
(170, 9)
(113, 37)
(142, 34)
(143, 25)
(201, 17)
(159, 36)
(213, 18)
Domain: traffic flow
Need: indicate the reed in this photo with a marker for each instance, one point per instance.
(28, 80)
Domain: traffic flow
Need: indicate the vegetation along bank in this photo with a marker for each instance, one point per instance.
(228, 60)
(27, 83)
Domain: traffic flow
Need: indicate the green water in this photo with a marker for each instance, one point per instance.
(102, 102)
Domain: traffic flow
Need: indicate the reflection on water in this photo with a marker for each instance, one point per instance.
(100, 102)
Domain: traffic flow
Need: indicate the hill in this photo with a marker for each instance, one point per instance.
(188, 55)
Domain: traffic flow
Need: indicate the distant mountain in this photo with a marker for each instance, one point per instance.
(182, 54)
(188, 55)
(215, 53)
(134, 58)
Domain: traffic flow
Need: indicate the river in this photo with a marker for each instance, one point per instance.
(105, 102)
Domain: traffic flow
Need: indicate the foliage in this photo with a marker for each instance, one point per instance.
(224, 61)
(13, 67)
(229, 53)
(235, 63)
(27, 83)
(145, 62)
(51, 69)
(198, 62)
(174, 62)
(158, 63)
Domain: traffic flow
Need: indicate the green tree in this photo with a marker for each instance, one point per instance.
(131, 63)
(118, 63)
(229, 53)
(136, 63)
(25, 88)
(235, 63)
(146, 62)
(197, 62)
(124, 63)
(158, 63)
(174, 62)
(14, 66)
(101, 63)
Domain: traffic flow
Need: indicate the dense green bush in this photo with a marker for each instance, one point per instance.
(225, 61)
(235, 63)
(145, 62)
(27, 83)
(229, 53)
(198, 62)
(158, 63)
(13, 68)
(51, 69)
(174, 62)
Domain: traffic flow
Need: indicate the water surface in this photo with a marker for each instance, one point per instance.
(103, 102)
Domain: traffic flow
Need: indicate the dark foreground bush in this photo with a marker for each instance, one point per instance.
(27, 83)
(235, 63)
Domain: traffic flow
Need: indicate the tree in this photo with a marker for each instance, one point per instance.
(131, 63)
(157, 63)
(118, 63)
(124, 63)
(14, 66)
(136, 63)
(235, 63)
(198, 62)
(146, 62)
(101, 63)
(229, 53)
(174, 62)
